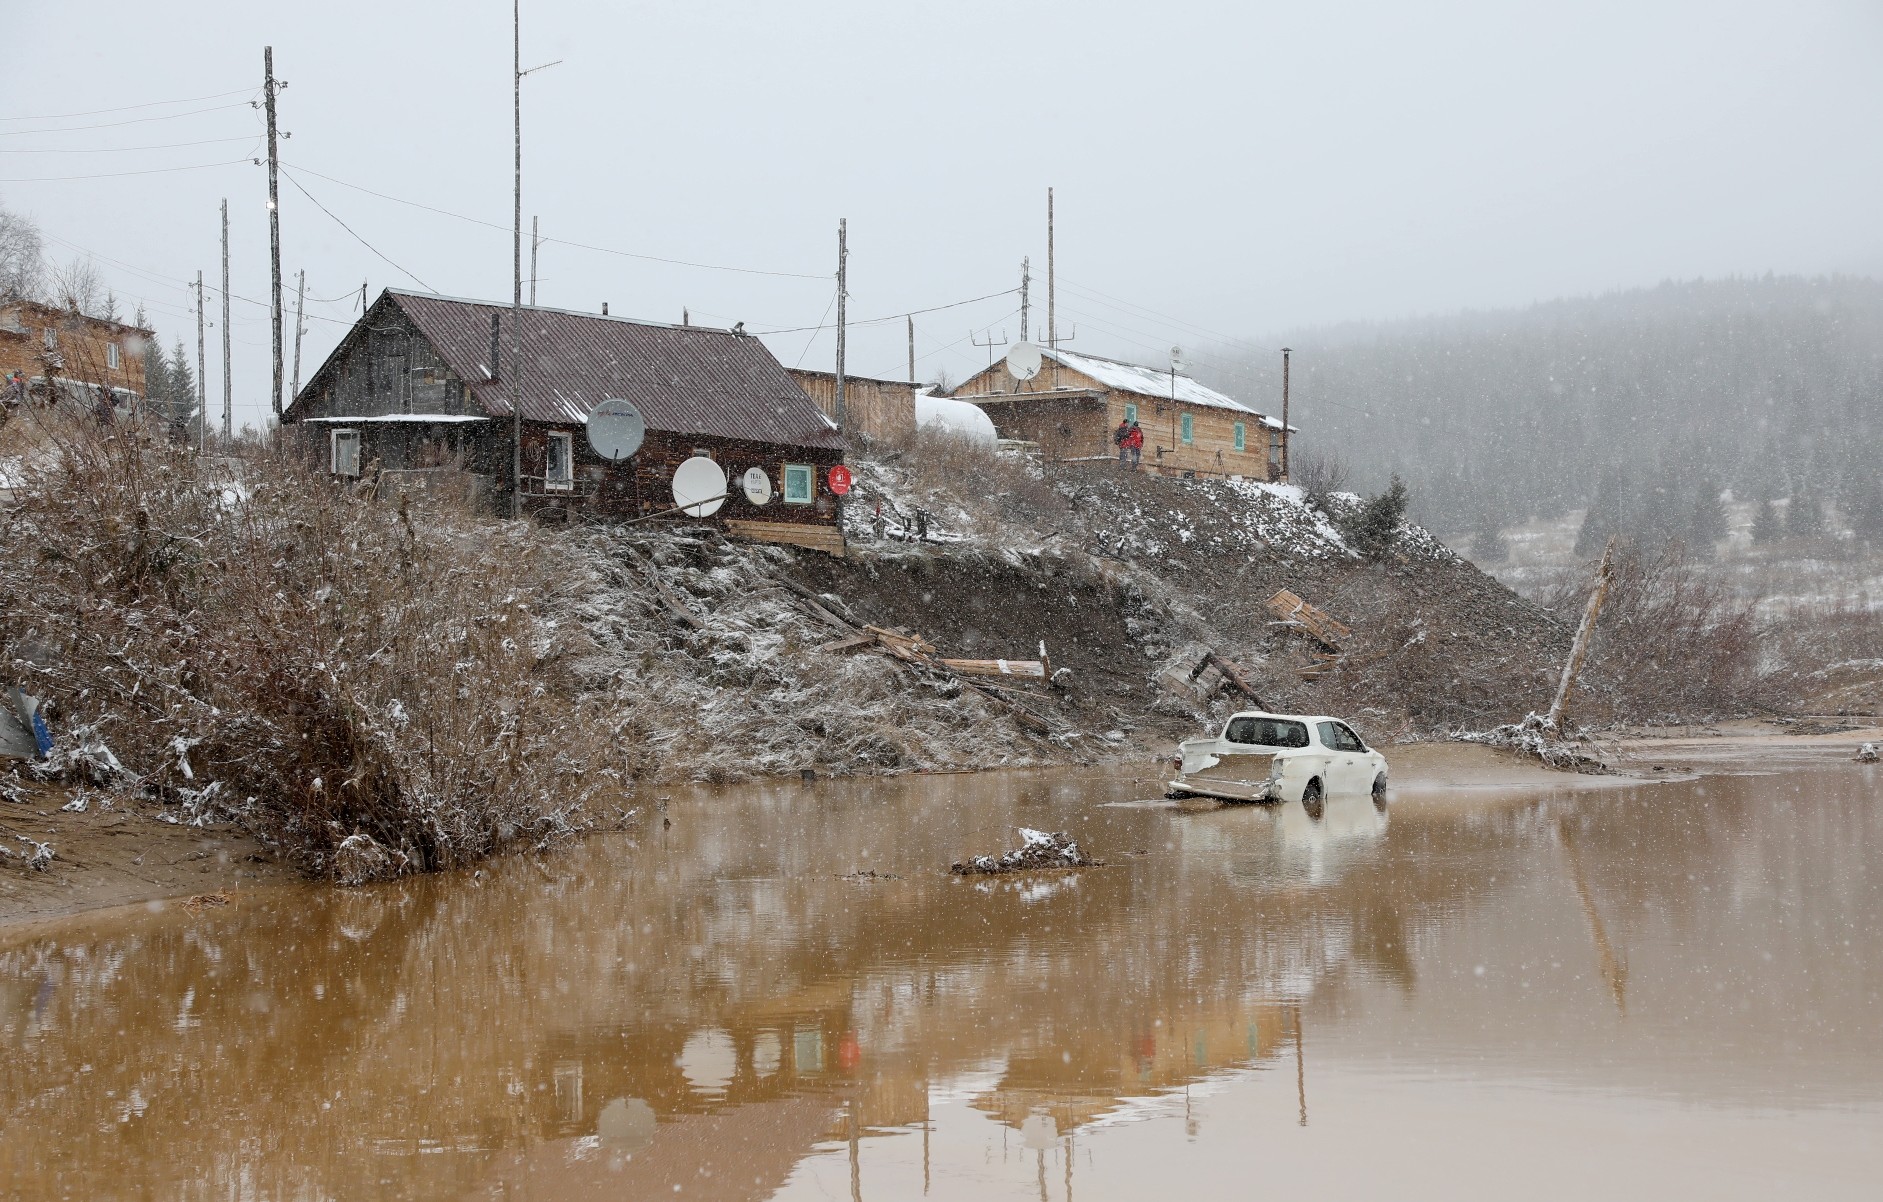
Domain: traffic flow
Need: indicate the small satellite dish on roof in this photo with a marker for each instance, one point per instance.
(699, 487)
(616, 429)
(1023, 361)
(757, 485)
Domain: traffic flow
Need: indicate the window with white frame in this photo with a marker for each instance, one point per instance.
(345, 453)
(800, 483)
(111, 355)
(559, 463)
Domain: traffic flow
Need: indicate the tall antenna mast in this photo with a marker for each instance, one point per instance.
(274, 222)
(228, 372)
(1052, 311)
(202, 374)
(1026, 278)
(1284, 415)
(516, 263)
(536, 242)
(843, 260)
(300, 297)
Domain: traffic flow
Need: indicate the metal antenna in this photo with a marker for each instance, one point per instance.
(1026, 279)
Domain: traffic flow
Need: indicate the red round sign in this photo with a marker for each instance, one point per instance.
(840, 479)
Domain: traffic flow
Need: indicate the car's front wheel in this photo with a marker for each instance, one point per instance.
(1379, 790)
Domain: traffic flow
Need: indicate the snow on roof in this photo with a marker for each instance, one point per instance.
(1150, 381)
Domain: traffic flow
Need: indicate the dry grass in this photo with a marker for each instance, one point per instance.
(246, 638)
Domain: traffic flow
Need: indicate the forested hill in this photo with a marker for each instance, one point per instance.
(1646, 403)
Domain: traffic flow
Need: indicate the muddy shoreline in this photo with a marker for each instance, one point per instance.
(111, 855)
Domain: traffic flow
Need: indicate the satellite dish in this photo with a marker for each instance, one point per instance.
(757, 485)
(1023, 361)
(699, 487)
(616, 429)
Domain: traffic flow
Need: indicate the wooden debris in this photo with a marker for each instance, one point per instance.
(1316, 623)
(1032, 668)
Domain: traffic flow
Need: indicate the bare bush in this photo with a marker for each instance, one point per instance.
(250, 639)
(1319, 475)
(1672, 641)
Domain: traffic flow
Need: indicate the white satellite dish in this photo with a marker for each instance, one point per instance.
(757, 485)
(1023, 361)
(699, 487)
(616, 429)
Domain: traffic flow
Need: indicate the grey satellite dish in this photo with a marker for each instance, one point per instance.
(699, 487)
(1023, 361)
(757, 485)
(616, 429)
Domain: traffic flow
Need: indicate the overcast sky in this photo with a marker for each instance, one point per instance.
(1221, 169)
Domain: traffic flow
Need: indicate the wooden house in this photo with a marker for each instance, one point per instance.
(423, 382)
(880, 409)
(83, 356)
(1072, 406)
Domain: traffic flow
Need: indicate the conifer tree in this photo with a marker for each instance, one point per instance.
(180, 394)
(1375, 524)
(1706, 524)
(1602, 520)
(1804, 517)
(1765, 523)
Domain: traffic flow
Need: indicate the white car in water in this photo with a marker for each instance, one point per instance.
(1279, 757)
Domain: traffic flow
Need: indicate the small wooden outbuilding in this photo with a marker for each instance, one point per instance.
(1075, 403)
(880, 409)
(421, 382)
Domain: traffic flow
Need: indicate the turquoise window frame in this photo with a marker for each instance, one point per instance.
(800, 484)
(1242, 437)
(1189, 430)
(1131, 412)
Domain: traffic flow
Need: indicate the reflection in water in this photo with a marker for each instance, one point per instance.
(717, 1012)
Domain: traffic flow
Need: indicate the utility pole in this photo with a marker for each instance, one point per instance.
(228, 371)
(516, 257)
(843, 259)
(202, 372)
(536, 241)
(911, 348)
(1026, 278)
(300, 297)
(1052, 312)
(274, 221)
(1284, 415)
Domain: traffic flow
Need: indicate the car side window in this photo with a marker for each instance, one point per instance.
(1330, 738)
(1241, 730)
(1350, 741)
(1266, 732)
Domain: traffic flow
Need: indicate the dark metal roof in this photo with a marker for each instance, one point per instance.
(684, 379)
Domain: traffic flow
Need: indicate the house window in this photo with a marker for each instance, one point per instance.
(559, 463)
(800, 483)
(1189, 434)
(111, 355)
(345, 453)
(1242, 437)
(1131, 413)
(51, 338)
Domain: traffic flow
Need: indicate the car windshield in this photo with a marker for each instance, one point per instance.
(1268, 732)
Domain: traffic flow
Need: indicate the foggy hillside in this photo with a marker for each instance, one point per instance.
(1646, 403)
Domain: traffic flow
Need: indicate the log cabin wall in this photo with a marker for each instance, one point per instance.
(643, 485)
(880, 409)
(386, 367)
(1211, 450)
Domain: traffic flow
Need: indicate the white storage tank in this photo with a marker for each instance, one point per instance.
(958, 418)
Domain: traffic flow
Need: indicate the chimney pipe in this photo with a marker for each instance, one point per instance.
(496, 341)
(604, 308)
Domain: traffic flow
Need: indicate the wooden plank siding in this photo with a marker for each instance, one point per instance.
(80, 349)
(1075, 417)
(880, 409)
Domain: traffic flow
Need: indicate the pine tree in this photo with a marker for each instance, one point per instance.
(1488, 544)
(1804, 517)
(180, 398)
(1765, 524)
(1602, 520)
(1375, 524)
(1706, 524)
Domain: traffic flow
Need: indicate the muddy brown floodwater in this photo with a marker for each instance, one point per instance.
(1659, 991)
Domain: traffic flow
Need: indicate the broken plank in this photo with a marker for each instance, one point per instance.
(997, 667)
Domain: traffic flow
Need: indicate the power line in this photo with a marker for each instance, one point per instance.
(149, 104)
(127, 149)
(67, 129)
(870, 321)
(50, 179)
(813, 337)
(605, 250)
(1134, 310)
(363, 242)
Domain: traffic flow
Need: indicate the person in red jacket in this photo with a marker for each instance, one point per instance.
(1134, 443)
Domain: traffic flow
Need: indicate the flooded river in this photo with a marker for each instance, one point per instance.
(1662, 991)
